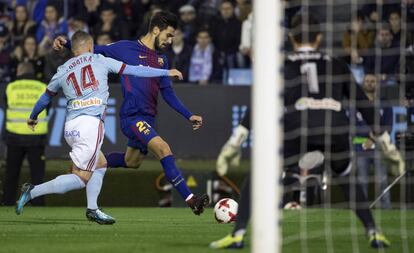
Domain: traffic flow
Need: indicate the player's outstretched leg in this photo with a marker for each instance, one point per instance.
(174, 176)
(93, 188)
(375, 238)
(116, 160)
(59, 185)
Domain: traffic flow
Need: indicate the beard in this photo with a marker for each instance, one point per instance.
(158, 46)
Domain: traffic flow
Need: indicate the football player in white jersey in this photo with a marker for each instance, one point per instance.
(84, 82)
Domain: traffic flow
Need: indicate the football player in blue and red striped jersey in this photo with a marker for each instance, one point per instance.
(139, 107)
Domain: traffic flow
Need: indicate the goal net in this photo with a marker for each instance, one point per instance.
(374, 40)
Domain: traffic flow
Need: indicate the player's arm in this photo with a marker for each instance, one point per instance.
(112, 50)
(43, 102)
(174, 102)
(143, 71)
(121, 68)
(169, 96)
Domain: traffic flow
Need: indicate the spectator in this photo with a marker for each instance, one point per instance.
(134, 12)
(246, 40)
(5, 13)
(89, 10)
(53, 60)
(5, 50)
(226, 35)
(21, 25)
(29, 51)
(357, 40)
(77, 24)
(180, 54)
(145, 23)
(410, 58)
(203, 67)
(394, 19)
(383, 58)
(379, 12)
(49, 28)
(109, 23)
(408, 6)
(169, 5)
(206, 10)
(365, 148)
(21, 96)
(189, 23)
(35, 9)
(104, 39)
(243, 9)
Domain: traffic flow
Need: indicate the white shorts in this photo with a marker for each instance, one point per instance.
(85, 135)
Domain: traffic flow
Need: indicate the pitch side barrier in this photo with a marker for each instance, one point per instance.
(221, 107)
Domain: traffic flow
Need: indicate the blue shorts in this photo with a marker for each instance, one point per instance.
(140, 131)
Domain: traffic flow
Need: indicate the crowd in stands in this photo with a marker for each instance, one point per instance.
(379, 39)
(206, 45)
(213, 35)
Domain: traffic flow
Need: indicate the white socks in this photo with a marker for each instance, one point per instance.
(59, 185)
(69, 182)
(93, 187)
(239, 232)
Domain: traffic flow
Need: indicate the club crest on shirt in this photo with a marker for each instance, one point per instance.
(160, 61)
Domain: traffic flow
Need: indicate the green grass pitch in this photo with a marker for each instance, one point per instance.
(158, 230)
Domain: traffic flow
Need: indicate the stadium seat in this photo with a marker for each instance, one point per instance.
(239, 77)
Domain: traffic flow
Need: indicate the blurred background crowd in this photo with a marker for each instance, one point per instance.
(214, 38)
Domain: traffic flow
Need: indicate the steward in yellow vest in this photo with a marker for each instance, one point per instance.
(21, 95)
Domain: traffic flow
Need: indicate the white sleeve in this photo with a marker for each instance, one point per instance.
(246, 33)
(112, 65)
(54, 85)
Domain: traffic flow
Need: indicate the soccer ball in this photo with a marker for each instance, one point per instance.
(293, 205)
(225, 210)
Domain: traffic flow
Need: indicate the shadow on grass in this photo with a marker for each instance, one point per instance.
(52, 221)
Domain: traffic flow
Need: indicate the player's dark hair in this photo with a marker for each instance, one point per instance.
(79, 39)
(162, 20)
(304, 28)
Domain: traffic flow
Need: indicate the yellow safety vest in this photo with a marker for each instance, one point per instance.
(22, 95)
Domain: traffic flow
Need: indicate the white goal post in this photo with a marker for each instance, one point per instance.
(267, 132)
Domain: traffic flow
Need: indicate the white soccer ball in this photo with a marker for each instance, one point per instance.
(225, 210)
(293, 205)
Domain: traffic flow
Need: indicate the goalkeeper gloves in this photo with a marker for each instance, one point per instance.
(391, 154)
(231, 151)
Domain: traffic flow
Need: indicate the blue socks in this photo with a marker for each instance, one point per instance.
(173, 175)
(115, 160)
